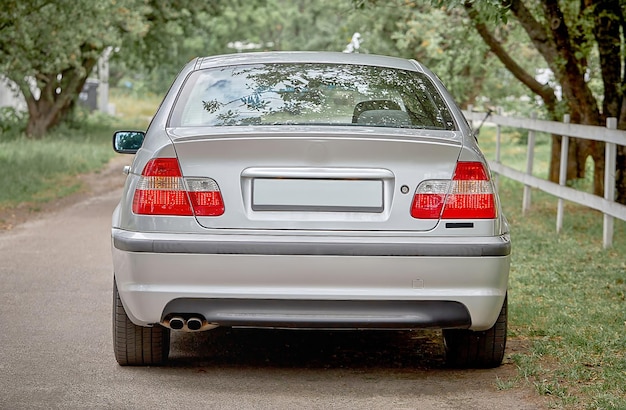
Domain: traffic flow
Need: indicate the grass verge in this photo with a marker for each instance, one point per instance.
(567, 296)
(35, 172)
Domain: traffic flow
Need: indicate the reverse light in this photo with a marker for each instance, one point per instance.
(469, 195)
(163, 191)
(205, 196)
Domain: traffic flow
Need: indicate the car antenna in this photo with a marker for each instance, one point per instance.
(489, 112)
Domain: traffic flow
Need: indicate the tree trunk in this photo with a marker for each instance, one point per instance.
(620, 175)
(620, 171)
(39, 124)
(609, 27)
(57, 95)
(576, 159)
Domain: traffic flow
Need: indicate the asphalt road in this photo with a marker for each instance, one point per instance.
(56, 351)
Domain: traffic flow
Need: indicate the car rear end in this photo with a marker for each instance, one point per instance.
(250, 212)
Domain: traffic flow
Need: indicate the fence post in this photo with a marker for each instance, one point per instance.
(562, 174)
(530, 156)
(610, 152)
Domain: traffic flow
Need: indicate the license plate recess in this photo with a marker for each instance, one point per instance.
(317, 195)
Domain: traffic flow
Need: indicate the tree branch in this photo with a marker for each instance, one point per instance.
(543, 90)
(557, 49)
(537, 32)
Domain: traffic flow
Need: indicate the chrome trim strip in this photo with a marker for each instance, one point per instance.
(171, 243)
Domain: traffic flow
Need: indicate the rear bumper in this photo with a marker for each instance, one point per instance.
(313, 281)
(310, 245)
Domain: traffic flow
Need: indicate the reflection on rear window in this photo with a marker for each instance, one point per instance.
(320, 94)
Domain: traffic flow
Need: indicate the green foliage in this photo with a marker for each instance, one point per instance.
(440, 35)
(253, 26)
(66, 34)
(40, 171)
(133, 108)
(12, 123)
(154, 38)
(48, 48)
(393, 27)
(169, 24)
(451, 53)
(491, 10)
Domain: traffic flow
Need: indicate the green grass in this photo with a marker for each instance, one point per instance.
(567, 297)
(37, 171)
(132, 110)
(567, 294)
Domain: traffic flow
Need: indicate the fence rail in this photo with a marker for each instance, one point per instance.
(609, 134)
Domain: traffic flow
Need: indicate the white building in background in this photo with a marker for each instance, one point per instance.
(10, 96)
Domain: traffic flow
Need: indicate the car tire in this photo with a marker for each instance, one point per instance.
(137, 345)
(469, 349)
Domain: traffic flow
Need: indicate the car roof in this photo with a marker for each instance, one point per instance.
(307, 57)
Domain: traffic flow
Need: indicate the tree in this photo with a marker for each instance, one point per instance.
(49, 47)
(444, 39)
(576, 40)
(260, 24)
(286, 24)
(582, 43)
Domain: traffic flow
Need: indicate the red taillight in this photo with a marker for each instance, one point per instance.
(470, 171)
(205, 195)
(163, 191)
(162, 167)
(429, 199)
(469, 195)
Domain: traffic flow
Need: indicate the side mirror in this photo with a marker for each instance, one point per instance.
(128, 142)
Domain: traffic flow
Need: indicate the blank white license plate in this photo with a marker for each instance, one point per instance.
(323, 195)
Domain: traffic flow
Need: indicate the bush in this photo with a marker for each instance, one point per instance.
(12, 123)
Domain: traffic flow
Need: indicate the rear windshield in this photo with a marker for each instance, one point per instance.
(315, 94)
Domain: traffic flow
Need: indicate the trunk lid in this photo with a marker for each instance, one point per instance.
(319, 178)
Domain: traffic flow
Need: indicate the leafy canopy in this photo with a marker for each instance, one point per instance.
(40, 37)
(49, 47)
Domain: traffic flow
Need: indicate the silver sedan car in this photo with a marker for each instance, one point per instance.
(308, 190)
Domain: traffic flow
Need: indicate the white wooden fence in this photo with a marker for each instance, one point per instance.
(609, 134)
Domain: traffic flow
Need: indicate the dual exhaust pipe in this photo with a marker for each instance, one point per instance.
(188, 324)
